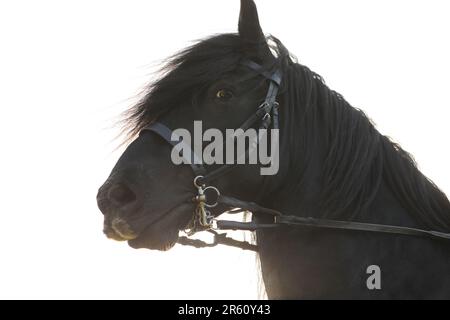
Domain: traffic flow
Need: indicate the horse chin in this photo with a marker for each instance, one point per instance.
(163, 234)
(163, 241)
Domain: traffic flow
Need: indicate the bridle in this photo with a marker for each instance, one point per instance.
(202, 220)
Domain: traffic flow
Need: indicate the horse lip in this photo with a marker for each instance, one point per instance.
(123, 229)
(148, 223)
(119, 229)
(112, 234)
(171, 212)
(167, 213)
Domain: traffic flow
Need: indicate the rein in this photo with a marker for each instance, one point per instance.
(203, 220)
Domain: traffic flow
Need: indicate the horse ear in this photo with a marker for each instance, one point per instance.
(253, 39)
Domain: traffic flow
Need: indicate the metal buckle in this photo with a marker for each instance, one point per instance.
(202, 218)
(196, 182)
(201, 196)
(263, 105)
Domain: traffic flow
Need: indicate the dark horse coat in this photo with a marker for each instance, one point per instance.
(333, 164)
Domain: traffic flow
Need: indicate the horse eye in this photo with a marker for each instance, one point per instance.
(224, 94)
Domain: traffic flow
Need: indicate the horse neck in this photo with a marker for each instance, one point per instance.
(305, 202)
(293, 198)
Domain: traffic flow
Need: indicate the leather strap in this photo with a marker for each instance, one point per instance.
(219, 239)
(167, 134)
(275, 76)
(288, 220)
(266, 113)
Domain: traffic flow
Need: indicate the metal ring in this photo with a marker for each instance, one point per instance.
(196, 184)
(217, 199)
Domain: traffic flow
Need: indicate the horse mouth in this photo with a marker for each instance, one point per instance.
(162, 234)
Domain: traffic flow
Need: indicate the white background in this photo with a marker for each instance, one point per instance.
(67, 70)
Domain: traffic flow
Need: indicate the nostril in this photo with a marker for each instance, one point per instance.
(121, 194)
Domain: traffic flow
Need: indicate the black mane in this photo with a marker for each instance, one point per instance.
(356, 158)
(184, 75)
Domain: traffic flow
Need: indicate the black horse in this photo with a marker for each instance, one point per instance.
(334, 165)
